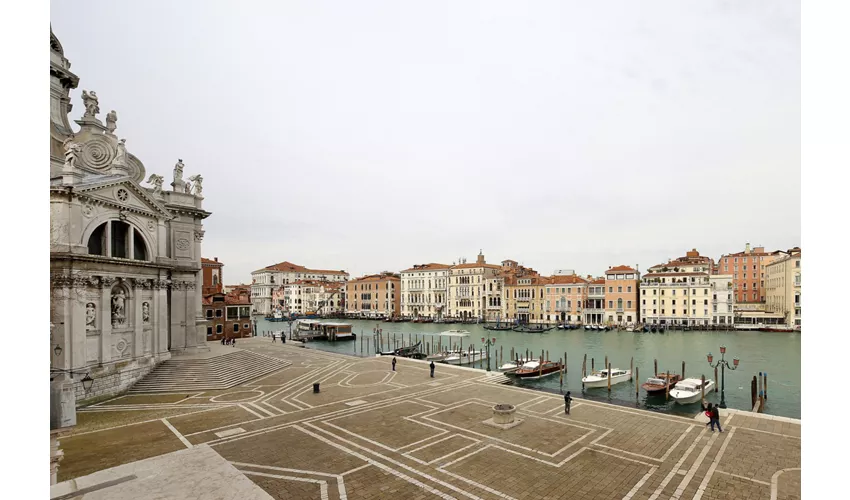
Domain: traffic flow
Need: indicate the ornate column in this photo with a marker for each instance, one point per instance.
(159, 339)
(200, 320)
(137, 285)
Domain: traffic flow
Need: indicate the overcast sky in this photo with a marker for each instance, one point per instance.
(373, 135)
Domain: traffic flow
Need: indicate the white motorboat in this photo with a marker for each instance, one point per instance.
(455, 333)
(512, 366)
(465, 357)
(440, 356)
(600, 378)
(690, 390)
(630, 328)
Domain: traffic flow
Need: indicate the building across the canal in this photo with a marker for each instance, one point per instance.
(468, 284)
(309, 297)
(567, 294)
(374, 296)
(125, 259)
(722, 300)
(228, 313)
(268, 279)
(783, 287)
(678, 292)
(424, 290)
(622, 295)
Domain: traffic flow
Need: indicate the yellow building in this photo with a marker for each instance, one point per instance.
(678, 292)
(782, 284)
(524, 296)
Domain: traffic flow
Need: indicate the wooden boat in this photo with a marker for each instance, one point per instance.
(512, 366)
(440, 356)
(587, 327)
(659, 383)
(466, 357)
(532, 328)
(404, 352)
(779, 328)
(600, 378)
(536, 369)
(499, 328)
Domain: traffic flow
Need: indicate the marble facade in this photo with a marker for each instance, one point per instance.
(125, 259)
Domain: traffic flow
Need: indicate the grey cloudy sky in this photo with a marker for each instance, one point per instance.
(372, 135)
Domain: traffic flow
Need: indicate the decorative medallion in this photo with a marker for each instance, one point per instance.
(121, 346)
(122, 194)
(182, 244)
(88, 210)
(151, 226)
(97, 153)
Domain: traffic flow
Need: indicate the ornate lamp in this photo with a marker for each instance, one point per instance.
(735, 362)
(57, 350)
(87, 382)
(710, 358)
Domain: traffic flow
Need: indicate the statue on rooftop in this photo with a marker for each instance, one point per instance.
(111, 121)
(72, 149)
(197, 187)
(178, 172)
(91, 104)
(157, 181)
(121, 154)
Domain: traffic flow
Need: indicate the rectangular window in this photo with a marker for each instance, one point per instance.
(209, 331)
(218, 313)
(643, 292)
(235, 327)
(209, 313)
(218, 328)
(610, 304)
(629, 304)
(619, 289)
(610, 289)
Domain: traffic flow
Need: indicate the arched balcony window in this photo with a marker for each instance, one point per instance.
(118, 239)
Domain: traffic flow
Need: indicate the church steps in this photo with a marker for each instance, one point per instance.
(219, 372)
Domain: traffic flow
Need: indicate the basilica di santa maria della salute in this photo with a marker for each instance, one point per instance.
(125, 259)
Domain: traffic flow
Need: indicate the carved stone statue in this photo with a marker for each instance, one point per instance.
(111, 121)
(187, 188)
(146, 312)
(72, 149)
(118, 316)
(91, 316)
(121, 155)
(157, 181)
(91, 104)
(197, 184)
(177, 184)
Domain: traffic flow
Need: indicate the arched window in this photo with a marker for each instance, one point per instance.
(215, 279)
(117, 239)
(619, 303)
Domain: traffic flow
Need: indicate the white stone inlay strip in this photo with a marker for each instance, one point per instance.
(714, 463)
(176, 433)
(230, 432)
(355, 403)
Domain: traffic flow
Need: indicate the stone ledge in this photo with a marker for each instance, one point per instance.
(490, 423)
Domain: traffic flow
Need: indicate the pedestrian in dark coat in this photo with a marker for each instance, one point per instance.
(715, 413)
(568, 400)
(432, 369)
(393, 363)
(710, 414)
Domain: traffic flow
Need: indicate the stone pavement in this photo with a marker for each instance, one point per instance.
(374, 433)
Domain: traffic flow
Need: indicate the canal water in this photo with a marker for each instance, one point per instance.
(776, 353)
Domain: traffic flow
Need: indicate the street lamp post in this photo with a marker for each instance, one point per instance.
(723, 364)
(487, 343)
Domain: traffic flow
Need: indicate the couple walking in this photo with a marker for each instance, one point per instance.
(713, 414)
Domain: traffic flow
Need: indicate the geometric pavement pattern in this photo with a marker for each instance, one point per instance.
(374, 433)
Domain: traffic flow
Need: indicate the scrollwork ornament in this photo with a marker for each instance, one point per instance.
(182, 244)
(107, 281)
(199, 235)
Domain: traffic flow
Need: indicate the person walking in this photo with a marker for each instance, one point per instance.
(233, 342)
(715, 414)
(393, 363)
(432, 369)
(567, 402)
(709, 414)
(273, 338)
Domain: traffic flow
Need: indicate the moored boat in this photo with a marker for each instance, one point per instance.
(512, 366)
(456, 333)
(600, 378)
(690, 390)
(465, 357)
(536, 369)
(659, 383)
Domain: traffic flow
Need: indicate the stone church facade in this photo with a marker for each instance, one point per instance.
(125, 259)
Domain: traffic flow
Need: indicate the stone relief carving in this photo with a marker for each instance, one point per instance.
(122, 194)
(122, 346)
(90, 101)
(146, 312)
(121, 154)
(97, 153)
(156, 181)
(91, 316)
(199, 235)
(197, 187)
(119, 317)
(72, 151)
(182, 244)
(151, 226)
(187, 188)
(88, 210)
(111, 121)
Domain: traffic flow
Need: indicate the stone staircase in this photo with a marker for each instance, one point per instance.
(217, 372)
(498, 378)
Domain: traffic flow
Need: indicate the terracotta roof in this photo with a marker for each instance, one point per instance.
(295, 268)
(376, 277)
(471, 265)
(568, 280)
(661, 275)
(235, 298)
(211, 262)
(427, 267)
(617, 269)
(598, 281)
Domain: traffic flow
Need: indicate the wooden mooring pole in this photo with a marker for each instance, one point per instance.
(765, 386)
(753, 392)
(561, 371)
(683, 370)
(631, 368)
(583, 370)
(609, 377)
(703, 387)
(654, 367)
(667, 387)
(592, 368)
(637, 386)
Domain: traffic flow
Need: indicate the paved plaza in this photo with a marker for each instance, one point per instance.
(374, 433)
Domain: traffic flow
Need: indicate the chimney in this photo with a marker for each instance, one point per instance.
(215, 259)
(747, 248)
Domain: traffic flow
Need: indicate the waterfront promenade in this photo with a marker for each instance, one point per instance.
(374, 433)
